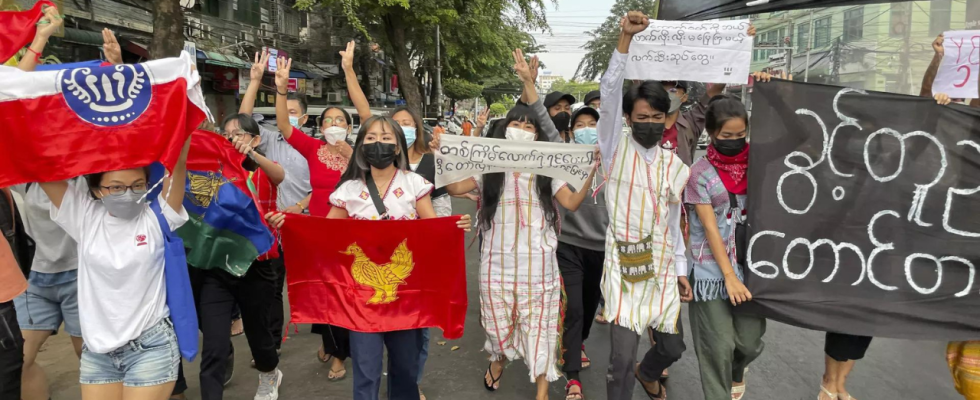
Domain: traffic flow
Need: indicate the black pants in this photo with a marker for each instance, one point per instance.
(842, 347)
(254, 294)
(336, 340)
(622, 359)
(403, 364)
(277, 319)
(581, 273)
(11, 352)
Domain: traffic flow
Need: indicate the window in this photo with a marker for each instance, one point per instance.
(900, 17)
(802, 37)
(821, 32)
(939, 16)
(854, 24)
(773, 38)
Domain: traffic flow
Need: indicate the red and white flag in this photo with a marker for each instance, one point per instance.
(55, 125)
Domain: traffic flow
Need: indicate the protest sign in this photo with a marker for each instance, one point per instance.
(862, 212)
(957, 75)
(461, 157)
(718, 51)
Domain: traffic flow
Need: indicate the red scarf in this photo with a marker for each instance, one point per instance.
(731, 169)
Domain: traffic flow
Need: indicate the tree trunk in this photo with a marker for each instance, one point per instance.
(168, 29)
(407, 85)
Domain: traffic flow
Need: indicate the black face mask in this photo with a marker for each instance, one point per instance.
(379, 155)
(648, 134)
(562, 121)
(730, 147)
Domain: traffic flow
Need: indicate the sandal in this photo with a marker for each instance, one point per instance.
(574, 396)
(323, 356)
(335, 376)
(658, 396)
(824, 391)
(494, 382)
(738, 392)
(237, 329)
(585, 359)
(848, 397)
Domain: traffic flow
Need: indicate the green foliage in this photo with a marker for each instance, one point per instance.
(574, 88)
(458, 89)
(604, 38)
(498, 109)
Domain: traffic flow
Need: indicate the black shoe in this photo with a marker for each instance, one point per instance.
(230, 367)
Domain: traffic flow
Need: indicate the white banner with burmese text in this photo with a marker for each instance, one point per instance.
(462, 157)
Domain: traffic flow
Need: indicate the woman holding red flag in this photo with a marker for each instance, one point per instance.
(725, 341)
(380, 165)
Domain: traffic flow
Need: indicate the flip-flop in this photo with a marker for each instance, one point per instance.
(585, 359)
(829, 394)
(493, 381)
(658, 396)
(738, 392)
(323, 356)
(848, 397)
(574, 396)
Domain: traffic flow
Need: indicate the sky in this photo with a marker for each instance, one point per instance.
(569, 20)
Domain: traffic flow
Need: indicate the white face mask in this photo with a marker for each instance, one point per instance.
(334, 134)
(519, 135)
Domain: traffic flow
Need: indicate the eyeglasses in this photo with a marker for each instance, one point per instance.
(333, 121)
(138, 188)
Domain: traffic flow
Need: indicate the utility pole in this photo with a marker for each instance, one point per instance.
(438, 73)
(809, 46)
(789, 46)
(903, 72)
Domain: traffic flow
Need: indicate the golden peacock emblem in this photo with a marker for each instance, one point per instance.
(383, 278)
(205, 187)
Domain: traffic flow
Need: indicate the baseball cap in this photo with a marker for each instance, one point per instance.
(589, 97)
(552, 98)
(585, 110)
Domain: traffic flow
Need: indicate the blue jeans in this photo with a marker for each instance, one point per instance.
(367, 351)
(44, 308)
(423, 353)
(149, 360)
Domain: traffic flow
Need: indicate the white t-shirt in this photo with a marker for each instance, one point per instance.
(56, 251)
(121, 287)
(405, 189)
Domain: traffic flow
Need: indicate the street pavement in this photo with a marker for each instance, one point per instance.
(790, 368)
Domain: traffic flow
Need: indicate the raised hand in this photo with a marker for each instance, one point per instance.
(634, 22)
(259, 66)
(347, 56)
(535, 64)
(50, 23)
(762, 76)
(521, 67)
(282, 74)
(751, 30)
(481, 119)
(111, 48)
(937, 45)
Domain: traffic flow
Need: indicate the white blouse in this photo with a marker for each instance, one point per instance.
(405, 189)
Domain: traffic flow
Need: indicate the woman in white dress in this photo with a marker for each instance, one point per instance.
(380, 158)
(520, 284)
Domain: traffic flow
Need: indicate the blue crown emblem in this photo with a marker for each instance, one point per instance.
(107, 96)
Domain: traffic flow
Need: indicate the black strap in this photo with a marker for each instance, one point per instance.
(732, 201)
(378, 203)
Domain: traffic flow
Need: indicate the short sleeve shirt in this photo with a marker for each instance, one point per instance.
(405, 189)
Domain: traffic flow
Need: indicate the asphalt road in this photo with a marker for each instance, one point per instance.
(789, 369)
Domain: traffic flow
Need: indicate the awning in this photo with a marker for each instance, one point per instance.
(80, 36)
(293, 73)
(224, 60)
(329, 69)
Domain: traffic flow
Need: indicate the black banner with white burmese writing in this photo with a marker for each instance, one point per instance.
(862, 212)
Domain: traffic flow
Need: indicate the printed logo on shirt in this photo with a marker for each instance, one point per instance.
(141, 240)
(398, 193)
(364, 195)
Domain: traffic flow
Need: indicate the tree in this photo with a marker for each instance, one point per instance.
(407, 32)
(498, 109)
(604, 39)
(574, 88)
(168, 29)
(458, 89)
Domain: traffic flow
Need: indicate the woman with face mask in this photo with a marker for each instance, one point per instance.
(122, 295)
(520, 283)
(380, 159)
(725, 341)
(327, 162)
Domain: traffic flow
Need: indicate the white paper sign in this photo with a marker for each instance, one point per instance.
(462, 157)
(957, 75)
(718, 51)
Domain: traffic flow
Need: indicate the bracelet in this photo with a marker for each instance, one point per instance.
(282, 94)
(37, 56)
(300, 204)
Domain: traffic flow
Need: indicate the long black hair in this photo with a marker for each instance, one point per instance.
(493, 184)
(721, 109)
(358, 168)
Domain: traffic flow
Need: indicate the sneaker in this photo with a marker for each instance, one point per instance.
(230, 367)
(269, 385)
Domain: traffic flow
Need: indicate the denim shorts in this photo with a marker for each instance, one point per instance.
(152, 359)
(45, 308)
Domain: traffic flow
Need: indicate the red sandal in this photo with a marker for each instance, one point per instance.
(585, 359)
(574, 396)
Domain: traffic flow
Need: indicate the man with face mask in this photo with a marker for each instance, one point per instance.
(644, 186)
(559, 107)
(592, 99)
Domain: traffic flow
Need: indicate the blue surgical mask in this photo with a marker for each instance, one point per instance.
(409, 134)
(586, 136)
(294, 121)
